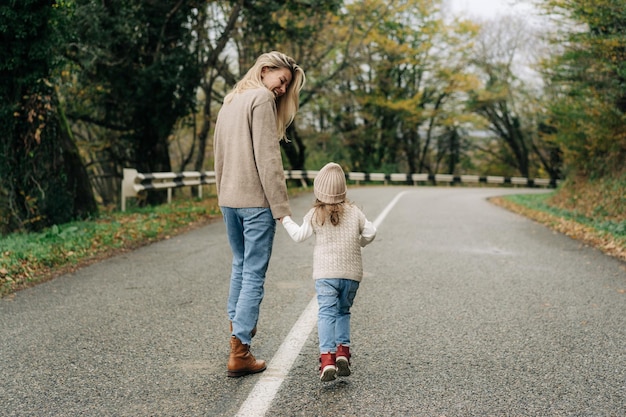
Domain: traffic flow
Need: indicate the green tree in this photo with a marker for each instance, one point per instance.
(395, 105)
(216, 23)
(42, 177)
(587, 80)
(138, 62)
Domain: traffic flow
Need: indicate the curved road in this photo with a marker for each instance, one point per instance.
(465, 310)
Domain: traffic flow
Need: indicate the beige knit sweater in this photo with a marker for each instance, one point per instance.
(248, 163)
(337, 252)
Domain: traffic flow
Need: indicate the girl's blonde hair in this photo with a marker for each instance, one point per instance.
(324, 211)
(288, 104)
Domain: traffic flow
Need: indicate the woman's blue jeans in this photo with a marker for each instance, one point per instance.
(251, 236)
(334, 298)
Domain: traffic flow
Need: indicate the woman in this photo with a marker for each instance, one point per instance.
(251, 188)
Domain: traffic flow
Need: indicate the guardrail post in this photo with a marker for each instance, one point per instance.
(130, 175)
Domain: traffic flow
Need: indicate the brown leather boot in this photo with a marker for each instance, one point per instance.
(252, 334)
(241, 362)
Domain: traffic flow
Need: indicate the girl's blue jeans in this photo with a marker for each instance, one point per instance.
(251, 236)
(335, 297)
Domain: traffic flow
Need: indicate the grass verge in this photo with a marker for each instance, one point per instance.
(609, 236)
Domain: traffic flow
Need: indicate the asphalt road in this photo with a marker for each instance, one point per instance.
(465, 310)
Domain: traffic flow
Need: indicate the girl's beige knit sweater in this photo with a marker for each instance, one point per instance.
(337, 252)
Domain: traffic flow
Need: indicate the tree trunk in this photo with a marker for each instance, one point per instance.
(43, 174)
(84, 201)
(295, 149)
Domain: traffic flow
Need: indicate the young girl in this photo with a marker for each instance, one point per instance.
(341, 230)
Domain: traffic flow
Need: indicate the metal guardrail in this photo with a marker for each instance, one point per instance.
(135, 182)
(433, 178)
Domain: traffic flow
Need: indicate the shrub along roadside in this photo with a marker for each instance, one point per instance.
(29, 259)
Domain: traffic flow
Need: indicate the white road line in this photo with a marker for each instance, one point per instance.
(387, 209)
(263, 393)
(261, 396)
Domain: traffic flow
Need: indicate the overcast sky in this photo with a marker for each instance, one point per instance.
(491, 9)
(488, 8)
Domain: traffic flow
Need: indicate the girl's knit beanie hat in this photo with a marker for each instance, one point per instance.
(329, 185)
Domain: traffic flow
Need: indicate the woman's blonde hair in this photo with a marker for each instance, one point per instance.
(288, 104)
